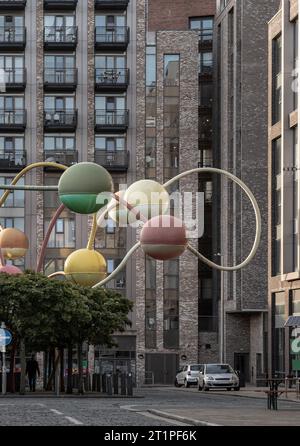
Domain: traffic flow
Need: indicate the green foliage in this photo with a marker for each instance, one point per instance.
(49, 313)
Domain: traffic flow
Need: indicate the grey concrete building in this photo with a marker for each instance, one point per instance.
(128, 85)
(241, 141)
(283, 217)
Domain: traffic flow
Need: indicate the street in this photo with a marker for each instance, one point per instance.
(212, 407)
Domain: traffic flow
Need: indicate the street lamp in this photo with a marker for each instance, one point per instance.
(222, 313)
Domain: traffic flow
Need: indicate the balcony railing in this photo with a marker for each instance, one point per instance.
(12, 120)
(15, 160)
(111, 79)
(13, 79)
(10, 5)
(63, 37)
(120, 5)
(205, 71)
(113, 161)
(108, 38)
(12, 38)
(60, 4)
(206, 38)
(60, 79)
(66, 157)
(111, 121)
(60, 120)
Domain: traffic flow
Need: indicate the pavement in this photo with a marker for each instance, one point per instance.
(158, 406)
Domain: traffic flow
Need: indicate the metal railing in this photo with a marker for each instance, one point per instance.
(60, 34)
(60, 117)
(60, 76)
(12, 117)
(115, 118)
(114, 34)
(67, 157)
(9, 4)
(16, 158)
(117, 159)
(12, 34)
(111, 76)
(13, 75)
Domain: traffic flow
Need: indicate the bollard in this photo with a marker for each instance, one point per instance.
(109, 384)
(104, 383)
(123, 384)
(129, 385)
(116, 383)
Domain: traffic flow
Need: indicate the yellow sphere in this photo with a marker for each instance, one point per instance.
(148, 197)
(85, 267)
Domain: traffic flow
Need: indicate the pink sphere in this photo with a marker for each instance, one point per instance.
(164, 237)
(11, 270)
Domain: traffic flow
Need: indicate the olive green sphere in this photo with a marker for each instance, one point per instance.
(85, 187)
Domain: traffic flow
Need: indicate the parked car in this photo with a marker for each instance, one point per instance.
(188, 375)
(212, 376)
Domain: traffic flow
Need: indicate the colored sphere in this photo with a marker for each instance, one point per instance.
(13, 243)
(149, 197)
(11, 270)
(85, 267)
(84, 188)
(164, 238)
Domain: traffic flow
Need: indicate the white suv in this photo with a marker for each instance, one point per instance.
(188, 375)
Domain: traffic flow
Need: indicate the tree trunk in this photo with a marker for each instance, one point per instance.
(62, 369)
(70, 370)
(46, 362)
(11, 381)
(23, 367)
(52, 373)
(80, 370)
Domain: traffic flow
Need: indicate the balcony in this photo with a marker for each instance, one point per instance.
(206, 39)
(206, 73)
(13, 161)
(60, 120)
(60, 4)
(117, 161)
(114, 79)
(12, 5)
(65, 157)
(119, 5)
(12, 38)
(111, 38)
(13, 121)
(60, 37)
(13, 80)
(56, 79)
(116, 121)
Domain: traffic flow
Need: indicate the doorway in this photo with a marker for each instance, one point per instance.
(162, 366)
(241, 363)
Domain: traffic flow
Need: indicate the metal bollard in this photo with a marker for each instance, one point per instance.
(109, 384)
(116, 383)
(129, 385)
(123, 384)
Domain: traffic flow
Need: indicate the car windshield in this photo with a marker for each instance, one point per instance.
(214, 369)
(195, 368)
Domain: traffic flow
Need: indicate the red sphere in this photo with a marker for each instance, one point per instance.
(11, 270)
(164, 237)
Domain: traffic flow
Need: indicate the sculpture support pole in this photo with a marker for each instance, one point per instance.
(93, 233)
(27, 169)
(47, 237)
(120, 267)
(254, 205)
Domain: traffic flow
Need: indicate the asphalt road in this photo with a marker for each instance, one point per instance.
(121, 412)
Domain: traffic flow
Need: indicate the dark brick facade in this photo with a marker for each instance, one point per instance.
(174, 14)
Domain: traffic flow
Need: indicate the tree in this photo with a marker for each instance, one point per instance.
(53, 314)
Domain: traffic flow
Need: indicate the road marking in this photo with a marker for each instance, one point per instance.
(74, 421)
(160, 418)
(56, 412)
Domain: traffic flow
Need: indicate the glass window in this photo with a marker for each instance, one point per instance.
(171, 69)
(279, 332)
(276, 207)
(150, 66)
(277, 80)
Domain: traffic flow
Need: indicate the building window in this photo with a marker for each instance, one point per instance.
(206, 305)
(63, 235)
(151, 105)
(110, 143)
(171, 304)
(15, 199)
(276, 80)
(150, 303)
(59, 143)
(204, 25)
(279, 332)
(205, 62)
(296, 303)
(119, 282)
(150, 66)
(296, 68)
(171, 69)
(276, 207)
(59, 103)
(295, 201)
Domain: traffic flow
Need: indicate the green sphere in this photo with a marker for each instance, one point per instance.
(80, 185)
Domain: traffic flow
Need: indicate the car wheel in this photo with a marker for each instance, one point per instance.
(176, 383)
(206, 389)
(186, 384)
(236, 389)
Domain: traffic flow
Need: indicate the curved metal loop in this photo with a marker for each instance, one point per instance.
(254, 205)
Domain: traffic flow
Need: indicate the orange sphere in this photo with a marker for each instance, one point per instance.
(13, 243)
(164, 237)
